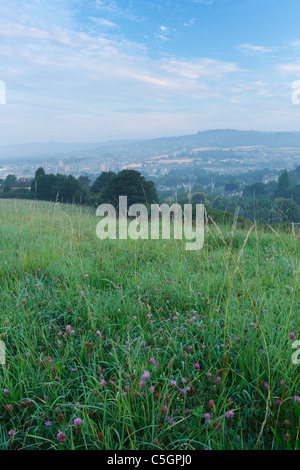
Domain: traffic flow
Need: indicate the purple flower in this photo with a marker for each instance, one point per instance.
(48, 423)
(297, 399)
(292, 335)
(229, 414)
(152, 360)
(197, 366)
(77, 422)
(11, 432)
(61, 437)
(145, 375)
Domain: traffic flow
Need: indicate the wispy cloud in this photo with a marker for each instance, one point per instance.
(291, 68)
(250, 49)
(74, 62)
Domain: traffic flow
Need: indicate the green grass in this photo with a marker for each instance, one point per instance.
(142, 297)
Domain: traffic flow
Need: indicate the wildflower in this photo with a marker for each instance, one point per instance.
(61, 437)
(142, 384)
(292, 335)
(211, 404)
(197, 366)
(229, 414)
(11, 432)
(145, 375)
(103, 383)
(69, 328)
(77, 422)
(152, 360)
(6, 391)
(297, 399)
(98, 333)
(287, 437)
(8, 408)
(48, 423)
(207, 418)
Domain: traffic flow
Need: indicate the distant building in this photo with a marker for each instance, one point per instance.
(24, 183)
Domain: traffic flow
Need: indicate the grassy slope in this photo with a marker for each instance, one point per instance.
(149, 299)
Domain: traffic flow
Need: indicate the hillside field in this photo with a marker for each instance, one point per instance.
(131, 345)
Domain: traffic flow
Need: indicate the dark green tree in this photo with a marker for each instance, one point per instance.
(286, 210)
(283, 185)
(103, 180)
(132, 184)
(10, 181)
(84, 181)
(39, 172)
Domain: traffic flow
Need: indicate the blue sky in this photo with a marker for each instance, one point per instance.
(95, 70)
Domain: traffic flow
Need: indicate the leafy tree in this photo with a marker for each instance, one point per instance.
(295, 194)
(182, 197)
(286, 210)
(84, 181)
(102, 181)
(132, 184)
(197, 188)
(283, 185)
(198, 198)
(39, 172)
(255, 190)
(46, 187)
(61, 188)
(231, 187)
(10, 181)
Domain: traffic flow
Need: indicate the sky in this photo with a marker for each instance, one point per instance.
(97, 70)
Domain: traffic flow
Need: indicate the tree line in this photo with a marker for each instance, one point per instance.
(106, 188)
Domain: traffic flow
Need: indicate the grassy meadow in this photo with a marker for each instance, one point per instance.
(131, 345)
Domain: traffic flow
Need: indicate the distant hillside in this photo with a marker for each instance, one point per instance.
(220, 138)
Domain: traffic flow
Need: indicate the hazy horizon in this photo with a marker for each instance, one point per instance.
(100, 70)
